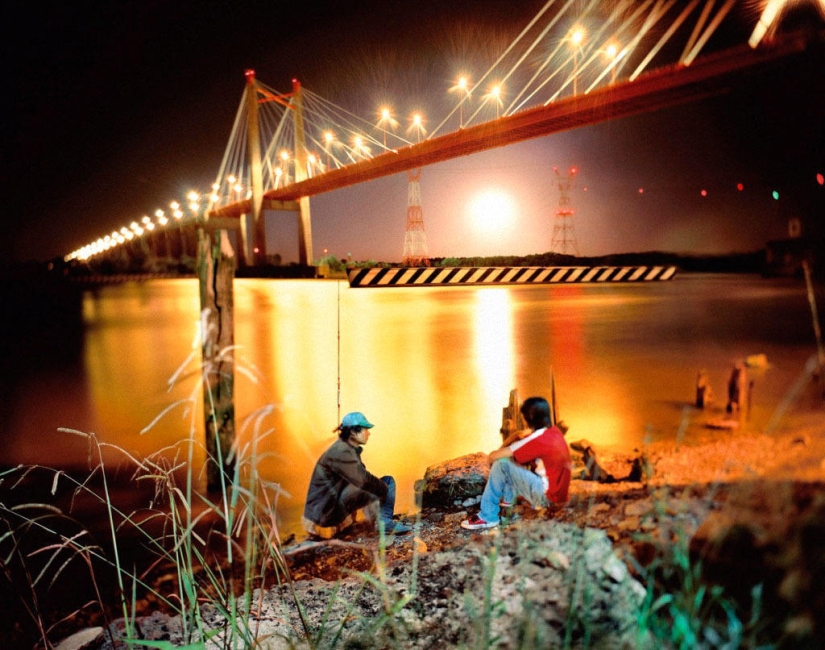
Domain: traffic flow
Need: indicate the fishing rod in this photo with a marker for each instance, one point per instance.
(338, 284)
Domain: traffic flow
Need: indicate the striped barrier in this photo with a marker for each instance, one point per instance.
(462, 276)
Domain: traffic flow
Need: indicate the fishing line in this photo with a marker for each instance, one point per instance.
(338, 284)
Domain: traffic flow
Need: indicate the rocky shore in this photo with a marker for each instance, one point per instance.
(748, 506)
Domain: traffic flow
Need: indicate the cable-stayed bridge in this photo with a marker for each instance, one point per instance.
(563, 71)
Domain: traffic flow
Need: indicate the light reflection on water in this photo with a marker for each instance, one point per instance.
(431, 367)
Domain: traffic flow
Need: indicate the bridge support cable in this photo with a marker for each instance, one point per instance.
(668, 86)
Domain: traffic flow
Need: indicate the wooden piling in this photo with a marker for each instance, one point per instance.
(511, 417)
(216, 273)
(820, 350)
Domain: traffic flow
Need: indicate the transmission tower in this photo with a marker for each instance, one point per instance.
(415, 239)
(564, 235)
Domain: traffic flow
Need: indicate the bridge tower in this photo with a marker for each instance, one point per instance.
(255, 178)
(564, 234)
(301, 205)
(415, 239)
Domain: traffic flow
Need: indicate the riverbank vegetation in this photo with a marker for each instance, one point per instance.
(675, 561)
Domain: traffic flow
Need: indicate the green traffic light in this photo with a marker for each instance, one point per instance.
(775, 195)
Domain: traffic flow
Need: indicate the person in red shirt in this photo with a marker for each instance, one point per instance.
(545, 449)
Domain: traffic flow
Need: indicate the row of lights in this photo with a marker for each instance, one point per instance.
(147, 225)
(138, 229)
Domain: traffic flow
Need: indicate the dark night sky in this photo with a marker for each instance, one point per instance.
(119, 108)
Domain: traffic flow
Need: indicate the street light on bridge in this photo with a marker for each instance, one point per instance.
(329, 139)
(462, 86)
(386, 119)
(494, 96)
(417, 125)
(359, 148)
(611, 52)
(576, 38)
(284, 156)
(312, 164)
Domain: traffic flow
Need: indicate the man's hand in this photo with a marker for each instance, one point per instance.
(493, 456)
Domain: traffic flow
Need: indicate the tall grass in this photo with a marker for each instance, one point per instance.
(219, 548)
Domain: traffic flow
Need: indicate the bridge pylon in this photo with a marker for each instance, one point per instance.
(564, 234)
(257, 203)
(256, 179)
(415, 239)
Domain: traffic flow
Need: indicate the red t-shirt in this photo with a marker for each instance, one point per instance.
(548, 448)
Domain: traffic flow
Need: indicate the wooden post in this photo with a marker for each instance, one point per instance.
(216, 272)
(554, 408)
(820, 350)
(511, 417)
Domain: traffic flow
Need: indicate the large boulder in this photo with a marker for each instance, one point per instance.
(452, 484)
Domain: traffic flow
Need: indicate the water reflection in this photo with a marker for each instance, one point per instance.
(493, 326)
(432, 367)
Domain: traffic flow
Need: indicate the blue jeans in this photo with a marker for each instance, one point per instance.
(509, 480)
(355, 498)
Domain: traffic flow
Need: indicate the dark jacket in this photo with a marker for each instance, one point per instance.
(340, 466)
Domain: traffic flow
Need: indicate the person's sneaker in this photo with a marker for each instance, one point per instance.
(396, 528)
(505, 504)
(477, 523)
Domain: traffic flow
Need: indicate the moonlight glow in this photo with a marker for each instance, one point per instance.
(492, 211)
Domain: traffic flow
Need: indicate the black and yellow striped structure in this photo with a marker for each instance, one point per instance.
(466, 276)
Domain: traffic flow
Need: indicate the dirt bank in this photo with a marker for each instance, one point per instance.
(746, 501)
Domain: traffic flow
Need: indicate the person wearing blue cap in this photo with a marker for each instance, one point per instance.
(342, 492)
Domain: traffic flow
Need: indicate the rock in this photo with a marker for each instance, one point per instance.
(638, 508)
(86, 639)
(454, 481)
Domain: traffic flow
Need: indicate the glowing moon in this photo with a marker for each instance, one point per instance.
(492, 211)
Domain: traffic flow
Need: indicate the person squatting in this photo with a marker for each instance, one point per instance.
(342, 492)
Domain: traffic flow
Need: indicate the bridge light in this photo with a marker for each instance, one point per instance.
(820, 178)
(740, 187)
(775, 195)
(704, 192)
(611, 52)
(417, 124)
(462, 86)
(576, 38)
(495, 96)
(386, 119)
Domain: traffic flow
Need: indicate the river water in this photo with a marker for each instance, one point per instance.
(431, 367)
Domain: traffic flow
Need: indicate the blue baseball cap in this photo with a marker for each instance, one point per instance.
(356, 419)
